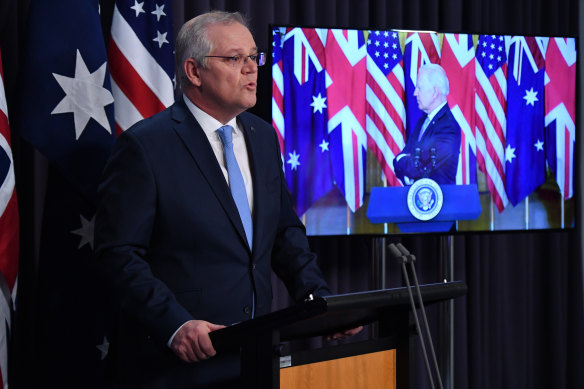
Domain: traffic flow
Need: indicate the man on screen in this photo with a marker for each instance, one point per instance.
(194, 214)
(432, 148)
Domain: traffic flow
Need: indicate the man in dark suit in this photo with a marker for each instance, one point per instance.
(432, 148)
(194, 212)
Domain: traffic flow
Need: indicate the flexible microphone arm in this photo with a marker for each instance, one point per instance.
(411, 259)
(403, 256)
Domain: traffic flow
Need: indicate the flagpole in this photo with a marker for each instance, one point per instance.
(527, 213)
(348, 220)
(492, 214)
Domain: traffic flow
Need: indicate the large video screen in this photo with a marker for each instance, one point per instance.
(358, 110)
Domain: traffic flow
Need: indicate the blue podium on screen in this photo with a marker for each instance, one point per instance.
(425, 206)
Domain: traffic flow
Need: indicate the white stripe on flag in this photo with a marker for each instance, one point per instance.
(126, 113)
(143, 63)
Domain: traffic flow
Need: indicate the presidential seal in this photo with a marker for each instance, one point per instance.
(425, 199)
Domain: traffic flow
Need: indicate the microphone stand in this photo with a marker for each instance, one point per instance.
(403, 256)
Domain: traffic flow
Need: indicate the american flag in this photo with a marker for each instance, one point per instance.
(65, 110)
(385, 110)
(421, 48)
(346, 53)
(491, 108)
(140, 54)
(458, 55)
(307, 147)
(278, 85)
(560, 111)
(8, 234)
(525, 165)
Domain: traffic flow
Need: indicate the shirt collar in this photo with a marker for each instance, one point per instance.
(207, 122)
(435, 111)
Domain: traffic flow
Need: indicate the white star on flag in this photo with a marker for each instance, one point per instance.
(530, 97)
(159, 12)
(323, 146)
(85, 96)
(138, 7)
(510, 153)
(294, 160)
(85, 232)
(104, 348)
(318, 103)
(160, 39)
(538, 145)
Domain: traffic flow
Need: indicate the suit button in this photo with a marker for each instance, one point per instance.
(247, 310)
(253, 267)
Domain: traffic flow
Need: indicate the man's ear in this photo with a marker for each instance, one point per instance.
(192, 71)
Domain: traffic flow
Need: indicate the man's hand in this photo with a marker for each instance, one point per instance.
(192, 342)
(344, 334)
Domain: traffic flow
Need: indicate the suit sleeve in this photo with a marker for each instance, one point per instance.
(292, 260)
(123, 226)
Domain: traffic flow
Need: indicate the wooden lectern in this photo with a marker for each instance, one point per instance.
(384, 359)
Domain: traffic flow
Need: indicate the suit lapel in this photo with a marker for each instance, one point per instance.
(196, 142)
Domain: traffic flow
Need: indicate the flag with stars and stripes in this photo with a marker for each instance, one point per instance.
(525, 154)
(141, 58)
(458, 61)
(346, 53)
(278, 85)
(9, 238)
(491, 110)
(307, 147)
(385, 110)
(421, 48)
(560, 111)
(65, 111)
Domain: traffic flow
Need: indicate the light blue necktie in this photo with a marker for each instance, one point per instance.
(236, 183)
(423, 129)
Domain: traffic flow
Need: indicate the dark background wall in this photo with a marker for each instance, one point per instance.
(521, 324)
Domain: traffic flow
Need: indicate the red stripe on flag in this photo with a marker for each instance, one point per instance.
(131, 84)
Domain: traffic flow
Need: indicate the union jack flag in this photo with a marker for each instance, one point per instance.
(8, 234)
(458, 55)
(421, 48)
(560, 111)
(140, 54)
(346, 54)
(491, 110)
(385, 110)
(278, 85)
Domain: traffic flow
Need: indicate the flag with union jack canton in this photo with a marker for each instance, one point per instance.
(491, 110)
(560, 111)
(421, 48)
(307, 147)
(525, 159)
(458, 61)
(385, 110)
(141, 57)
(9, 237)
(346, 66)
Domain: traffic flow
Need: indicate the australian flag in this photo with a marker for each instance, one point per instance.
(66, 112)
(307, 155)
(525, 153)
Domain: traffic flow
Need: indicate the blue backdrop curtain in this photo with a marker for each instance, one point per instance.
(520, 325)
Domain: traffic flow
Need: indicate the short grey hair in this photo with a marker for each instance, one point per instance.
(437, 77)
(192, 40)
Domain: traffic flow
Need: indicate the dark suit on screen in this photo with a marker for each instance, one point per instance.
(443, 134)
(169, 235)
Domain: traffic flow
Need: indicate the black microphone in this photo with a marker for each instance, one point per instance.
(417, 152)
(433, 156)
(403, 256)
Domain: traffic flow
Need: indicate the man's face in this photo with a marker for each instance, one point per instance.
(425, 93)
(227, 89)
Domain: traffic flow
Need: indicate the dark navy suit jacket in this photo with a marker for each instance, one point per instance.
(443, 134)
(169, 235)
